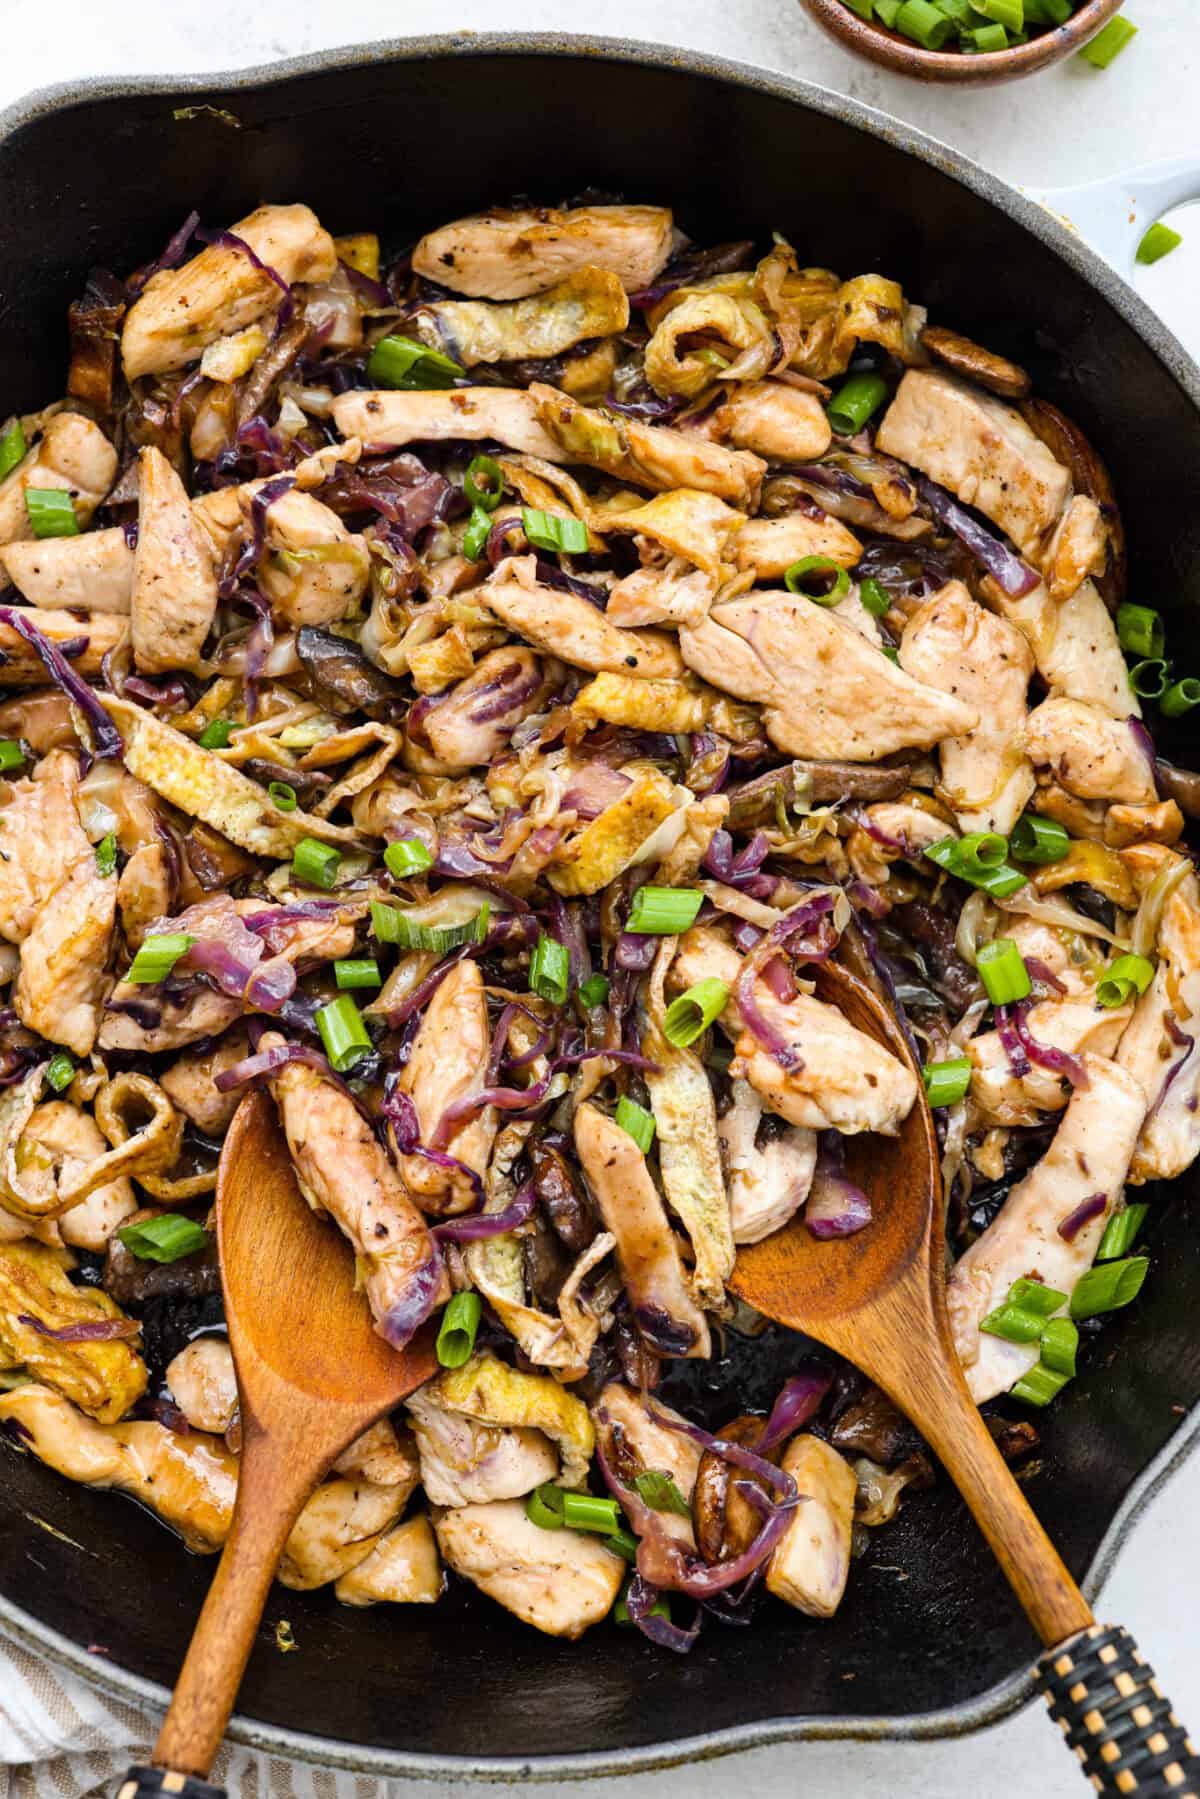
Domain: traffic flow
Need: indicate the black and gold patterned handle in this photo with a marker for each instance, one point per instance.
(1106, 1701)
(164, 1783)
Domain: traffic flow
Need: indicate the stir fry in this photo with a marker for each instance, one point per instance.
(466, 696)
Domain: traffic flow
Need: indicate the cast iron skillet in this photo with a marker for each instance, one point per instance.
(400, 137)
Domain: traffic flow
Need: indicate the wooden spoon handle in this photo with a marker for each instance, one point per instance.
(1106, 1701)
(161, 1783)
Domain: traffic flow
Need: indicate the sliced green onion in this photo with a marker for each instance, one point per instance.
(553, 531)
(891, 652)
(165, 1238)
(971, 858)
(636, 1122)
(357, 971)
(158, 956)
(283, 796)
(1037, 839)
(1120, 1233)
(1141, 631)
(1008, 13)
(962, 12)
(407, 857)
(1040, 1385)
(550, 970)
(60, 1071)
(854, 402)
(1048, 12)
(1108, 1287)
(483, 483)
(947, 1082)
(986, 40)
(1014, 1325)
(1002, 971)
(544, 1506)
(216, 734)
(923, 22)
(981, 850)
(864, 8)
(12, 448)
(51, 512)
(1108, 44)
(1060, 1345)
(106, 855)
(1149, 679)
(343, 1033)
(594, 990)
(401, 362)
(663, 911)
(583, 1511)
(624, 1544)
(476, 534)
(316, 864)
(689, 1016)
(660, 1609)
(658, 1490)
(393, 926)
(886, 10)
(456, 1334)
(1180, 698)
(11, 755)
(1123, 978)
(1157, 242)
(797, 579)
(874, 598)
(1035, 1296)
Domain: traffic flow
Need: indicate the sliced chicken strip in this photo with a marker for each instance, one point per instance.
(1090, 1155)
(203, 1384)
(630, 1427)
(190, 1083)
(87, 641)
(955, 645)
(569, 627)
(475, 720)
(647, 1249)
(64, 960)
(174, 578)
(338, 1529)
(560, 1581)
(1090, 753)
(464, 1462)
(827, 692)
(77, 1141)
(448, 1063)
(767, 1185)
(1079, 548)
(845, 1081)
(1083, 659)
(1078, 1026)
(648, 455)
(388, 420)
(675, 595)
(769, 546)
(181, 311)
(504, 255)
(782, 423)
(41, 842)
(304, 589)
(978, 447)
(811, 1565)
(385, 1457)
(402, 1569)
(91, 573)
(72, 454)
(1159, 1046)
(343, 1169)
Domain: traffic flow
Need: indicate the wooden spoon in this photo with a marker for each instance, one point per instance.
(312, 1375)
(879, 1299)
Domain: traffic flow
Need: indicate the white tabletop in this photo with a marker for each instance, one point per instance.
(1068, 126)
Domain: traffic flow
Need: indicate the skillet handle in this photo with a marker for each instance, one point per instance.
(1106, 1701)
(164, 1783)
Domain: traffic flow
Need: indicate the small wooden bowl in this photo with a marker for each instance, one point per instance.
(903, 57)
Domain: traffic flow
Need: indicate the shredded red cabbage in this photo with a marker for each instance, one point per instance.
(1010, 1039)
(229, 240)
(798, 1400)
(1187, 1044)
(1056, 1061)
(639, 1600)
(106, 739)
(480, 1225)
(1004, 565)
(1084, 1212)
(94, 1330)
(400, 1114)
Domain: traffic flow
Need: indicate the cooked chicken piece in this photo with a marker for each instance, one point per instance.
(845, 1081)
(1090, 1155)
(144, 890)
(1158, 1048)
(825, 690)
(181, 311)
(770, 545)
(448, 1063)
(190, 1481)
(76, 1140)
(464, 1462)
(905, 831)
(571, 628)
(1127, 825)
(1076, 1025)
(63, 980)
(42, 718)
(402, 1569)
(385, 1457)
(631, 1422)
(811, 1565)
(344, 1170)
(388, 420)
(87, 642)
(338, 1528)
(953, 644)
(767, 1185)
(782, 423)
(1079, 548)
(104, 1376)
(41, 842)
(675, 595)
(1091, 754)
(487, 1391)
(89, 573)
(647, 1250)
(1083, 659)
(851, 611)
(174, 578)
(203, 1384)
(504, 255)
(190, 1083)
(72, 454)
(978, 447)
(560, 1581)
(316, 571)
(651, 456)
(588, 303)
(475, 720)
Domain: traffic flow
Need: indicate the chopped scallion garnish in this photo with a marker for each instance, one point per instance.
(659, 1491)
(544, 1507)
(975, 859)
(216, 734)
(106, 855)
(475, 536)
(316, 864)
(1149, 679)
(51, 512)
(283, 796)
(1120, 1233)
(1180, 698)
(947, 1082)
(583, 1511)
(1158, 242)
(407, 857)
(483, 483)
(854, 402)
(343, 1033)
(1122, 979)
(817, 578)
(924, 23)
(12, 449)
(390, 925)
(663, 911)
(401, 362)
(1108, 44)
(550, 970)
(552, 531)
(1109, 1286)
(1002, 971)
(165, 1238)
(1141, 631)
(636, 1121)
(357, 971)
(158, 956)
(874, 598)
(60, 1071)
(1040, 1385)
(1060, 1345)
(12, 756)
(689, 1016)
(1037, 839)
(594, 991)
(456, 1334)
